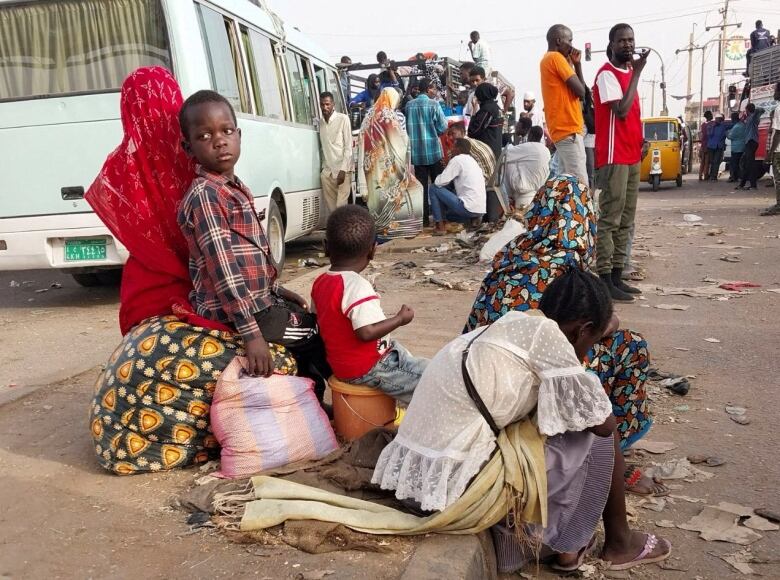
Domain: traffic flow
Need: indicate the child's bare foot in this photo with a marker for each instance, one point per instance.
(642, 549)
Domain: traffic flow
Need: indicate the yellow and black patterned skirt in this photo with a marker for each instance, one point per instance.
(151, 405)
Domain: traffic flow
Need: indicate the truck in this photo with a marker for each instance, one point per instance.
(764, 76)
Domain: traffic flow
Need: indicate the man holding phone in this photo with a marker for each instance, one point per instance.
(619, 150)
(563, 86)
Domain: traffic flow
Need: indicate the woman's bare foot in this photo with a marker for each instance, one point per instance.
(641, 549)
(648, 486)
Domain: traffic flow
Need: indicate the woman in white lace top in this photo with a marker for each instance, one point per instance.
(524, 363)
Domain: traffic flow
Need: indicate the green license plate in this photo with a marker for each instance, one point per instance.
(84, 250)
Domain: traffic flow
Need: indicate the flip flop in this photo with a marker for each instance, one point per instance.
(663, 493)
(643, 557)
(580, 558)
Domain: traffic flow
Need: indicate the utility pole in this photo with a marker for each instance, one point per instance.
(690, 48)
(652, 95)
(722, 48)
(688, 94)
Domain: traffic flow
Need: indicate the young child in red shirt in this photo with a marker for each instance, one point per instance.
(230, 264)
(352, 323)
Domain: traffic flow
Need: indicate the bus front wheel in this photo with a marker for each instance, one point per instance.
(655, 181)
(275, 232)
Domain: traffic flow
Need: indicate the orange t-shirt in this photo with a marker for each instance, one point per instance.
(562, 108)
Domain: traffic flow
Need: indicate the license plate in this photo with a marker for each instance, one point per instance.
(85, 250)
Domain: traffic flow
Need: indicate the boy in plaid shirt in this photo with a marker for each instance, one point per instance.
(230, 263)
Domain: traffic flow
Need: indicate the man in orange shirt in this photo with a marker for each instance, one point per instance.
(563, 86)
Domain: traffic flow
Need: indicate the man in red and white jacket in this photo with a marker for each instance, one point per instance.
(619, 151)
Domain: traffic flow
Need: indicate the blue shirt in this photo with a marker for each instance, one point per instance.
(737, 136)
(425, 121)
(751, 125)
(716, 138)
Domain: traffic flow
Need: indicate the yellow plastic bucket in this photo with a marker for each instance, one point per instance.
(358, 409)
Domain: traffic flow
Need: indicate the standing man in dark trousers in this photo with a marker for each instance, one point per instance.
(774, 155)
(749, 165)
(619, 145)
(425, 121)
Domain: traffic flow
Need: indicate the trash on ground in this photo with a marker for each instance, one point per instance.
(768, 514)
(687, 498)
(314, 574)
(671, 307)
(730, 258)
(14, 284)
(308, 263)
(717, 525)
(462, 286)
(656, 504)
(711, 292)
(734, 410)
(692, 218)
(713, 340)
(760, 524)
(741, 419)
(736, 509)
(665, 524)
(654, 447)
(678, 385)
(681, 348)
(739, 561)
(722, 246)
(775, 290)
(679, 468)
(682, 408)
(738, 285)
(406, 264)
(715, 232)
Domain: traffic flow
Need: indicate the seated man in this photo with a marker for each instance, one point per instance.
(481, 152)
(469, 200)
(526, 168)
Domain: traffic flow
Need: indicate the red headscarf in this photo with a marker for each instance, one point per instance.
(137, 195)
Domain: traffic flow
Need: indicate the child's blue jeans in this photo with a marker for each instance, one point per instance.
(446, 205)
(396, 373)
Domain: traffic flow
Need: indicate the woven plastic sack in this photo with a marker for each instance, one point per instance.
(265, 423)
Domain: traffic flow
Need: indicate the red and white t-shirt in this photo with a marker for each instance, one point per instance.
(618, 141)
(344, 302)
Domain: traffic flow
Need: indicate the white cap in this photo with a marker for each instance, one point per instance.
(529, 96)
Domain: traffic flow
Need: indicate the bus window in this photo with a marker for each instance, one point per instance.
(268, 78)
(334, 86)
(300, 86)
(252, 66)
(81, 46)
(319, 75)
(223, 58)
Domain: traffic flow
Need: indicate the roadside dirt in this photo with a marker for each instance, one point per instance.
(64, 517)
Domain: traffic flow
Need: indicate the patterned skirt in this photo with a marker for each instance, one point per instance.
(151, 406)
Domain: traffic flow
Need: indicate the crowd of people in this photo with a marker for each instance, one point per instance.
(543, 384)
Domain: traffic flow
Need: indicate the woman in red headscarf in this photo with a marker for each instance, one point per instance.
(150, 411)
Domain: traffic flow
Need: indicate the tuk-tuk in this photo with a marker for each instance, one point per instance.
(664, 160)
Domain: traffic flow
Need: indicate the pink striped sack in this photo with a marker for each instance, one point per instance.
(265, 423)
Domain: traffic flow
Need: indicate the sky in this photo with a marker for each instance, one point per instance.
(515, 31)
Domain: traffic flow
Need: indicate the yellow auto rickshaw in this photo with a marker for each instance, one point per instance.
(664, 159)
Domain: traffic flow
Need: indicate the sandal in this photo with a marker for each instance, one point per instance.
(644, 556)
(580, 558)
(633, 476)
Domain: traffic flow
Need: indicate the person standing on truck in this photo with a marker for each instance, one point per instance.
(480, 51)
(750, 166)
(343, 68)
(425, 121)
(774, 154)
(336, 147)
(760, 39)
(619, 144)
(562, 88)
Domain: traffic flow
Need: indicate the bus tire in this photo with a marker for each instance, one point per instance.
(275, 232)
(679, 180)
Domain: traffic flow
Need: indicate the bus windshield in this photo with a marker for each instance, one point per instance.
(78, 46)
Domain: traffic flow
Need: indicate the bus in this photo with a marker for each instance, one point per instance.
(764, 75)
(61, 68)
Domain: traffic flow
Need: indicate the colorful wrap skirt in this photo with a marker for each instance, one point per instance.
(151, 406)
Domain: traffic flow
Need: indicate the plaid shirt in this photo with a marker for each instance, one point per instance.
(232, 275)
(425, 121)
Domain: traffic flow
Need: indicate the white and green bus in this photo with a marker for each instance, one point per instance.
(62, 64)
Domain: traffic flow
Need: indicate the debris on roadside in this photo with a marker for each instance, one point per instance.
(737, 414)
(14, 284)
(462, 286)
(768, 514)
(309, 263)
(715, 524)
(691, 218)
(654, 447)
(738, 285)
(712, 340)
(671, 307)
(731, 258)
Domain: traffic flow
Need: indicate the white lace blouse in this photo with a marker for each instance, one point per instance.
(521, 361)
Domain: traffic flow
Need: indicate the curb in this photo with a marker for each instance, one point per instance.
(455, 557)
